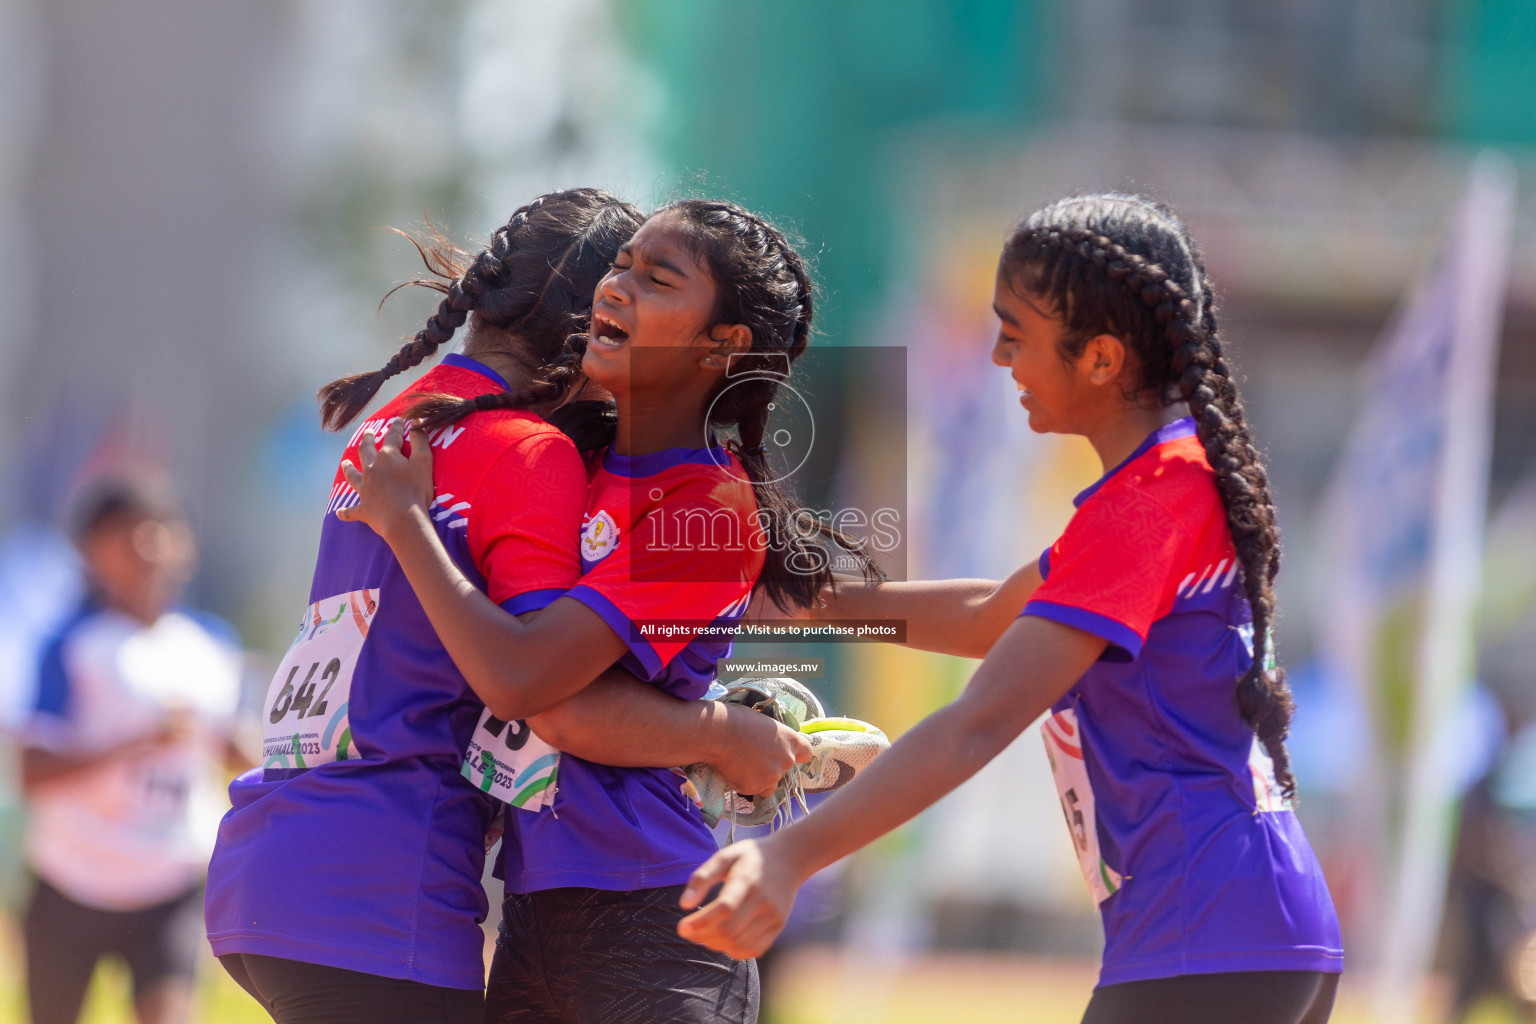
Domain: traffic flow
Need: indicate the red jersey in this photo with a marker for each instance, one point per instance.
(672, 546)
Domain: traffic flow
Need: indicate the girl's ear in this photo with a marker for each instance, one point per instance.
(727, 340)
(1103, 358)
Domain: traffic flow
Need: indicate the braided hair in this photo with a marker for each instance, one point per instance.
(1125, 266)
(761, 282)
(534, 283)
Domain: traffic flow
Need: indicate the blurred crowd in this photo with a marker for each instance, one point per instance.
(124, 729)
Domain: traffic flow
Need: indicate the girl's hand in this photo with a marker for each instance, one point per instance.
(760, 751)
(391, 485)
(758, 890)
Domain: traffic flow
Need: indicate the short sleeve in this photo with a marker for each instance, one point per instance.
(1113, 572)
(223, 696)
(218, 630)
(527, 522)
(48, 724)
(647, 584)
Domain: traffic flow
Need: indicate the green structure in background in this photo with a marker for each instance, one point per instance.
(1489, 72)
(797, 108)
(788, 108)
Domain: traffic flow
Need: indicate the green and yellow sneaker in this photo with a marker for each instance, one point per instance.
(841, 748)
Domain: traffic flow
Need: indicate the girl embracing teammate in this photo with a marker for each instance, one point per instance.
(1147, 637)
(692, 329)
(346, 883)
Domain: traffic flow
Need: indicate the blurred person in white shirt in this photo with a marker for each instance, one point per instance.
(134, 716)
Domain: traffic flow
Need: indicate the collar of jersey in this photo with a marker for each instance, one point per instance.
(1167, 432)
(652, 463)
(463, 362)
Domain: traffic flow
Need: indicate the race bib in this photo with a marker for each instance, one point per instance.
(161, 786)
(1064, 748)
(1267, 794)
(304, 719)
(506, 760)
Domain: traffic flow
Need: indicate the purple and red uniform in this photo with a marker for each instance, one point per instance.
(671, 547)
(1195, 858)
(358, 844)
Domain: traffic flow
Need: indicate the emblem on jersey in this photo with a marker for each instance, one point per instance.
(599, 536)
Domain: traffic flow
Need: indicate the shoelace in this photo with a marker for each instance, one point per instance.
(784, 813)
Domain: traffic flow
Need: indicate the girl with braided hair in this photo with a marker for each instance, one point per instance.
(692, 327)
(1146, 636)
(346, 883)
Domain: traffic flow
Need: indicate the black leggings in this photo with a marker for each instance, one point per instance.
(294, 992)
(590, 956)
(1239, 997)
(64, 939)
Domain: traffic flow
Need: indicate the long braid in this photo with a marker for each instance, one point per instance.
(1180, 358)
(1232, 406)
(1263, 696)
(434, 411)
(342, 400)
(554, 380)
(533, 284)
(762, 281)
(806, 528)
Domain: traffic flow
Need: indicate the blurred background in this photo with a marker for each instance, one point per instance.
(192, 199)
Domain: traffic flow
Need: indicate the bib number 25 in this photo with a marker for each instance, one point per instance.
(506, 760)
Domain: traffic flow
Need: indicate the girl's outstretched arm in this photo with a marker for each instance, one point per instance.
(961, 617)
(1034, 663)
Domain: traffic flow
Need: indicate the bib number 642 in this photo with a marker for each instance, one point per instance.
(302, 699)
(306, 721)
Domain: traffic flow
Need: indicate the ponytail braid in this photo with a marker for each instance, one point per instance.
(1207, 384)
(1082, 254)
(761, 281)
(533, 284)
(342, 399)
(434, 411)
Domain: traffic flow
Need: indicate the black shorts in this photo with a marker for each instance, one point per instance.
(588, 956)
(1238, 997)
(65, 939)
(294, 992)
